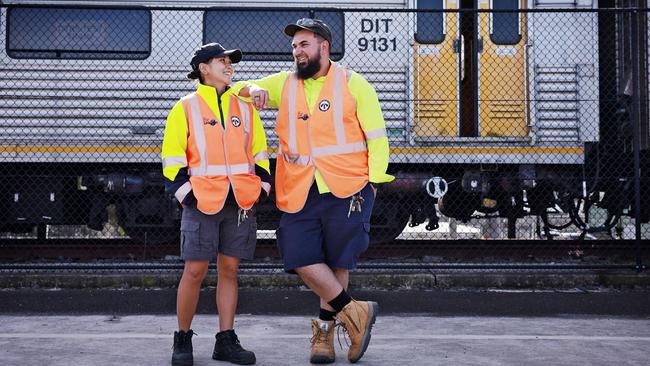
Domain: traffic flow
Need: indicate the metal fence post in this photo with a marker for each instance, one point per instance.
(636, 59)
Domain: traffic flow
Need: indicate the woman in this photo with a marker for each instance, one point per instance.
(216, 162)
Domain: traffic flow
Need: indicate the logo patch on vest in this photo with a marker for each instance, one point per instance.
(324, 105)
(210, 122)
(235, 121)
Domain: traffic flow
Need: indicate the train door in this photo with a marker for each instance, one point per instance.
(469, 70)
(435, 77)
(468, 49)
(502, 70)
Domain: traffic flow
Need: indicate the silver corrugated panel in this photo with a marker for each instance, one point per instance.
(557, 105)
(58, 103)
(55, 103)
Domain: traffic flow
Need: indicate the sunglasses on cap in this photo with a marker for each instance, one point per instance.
(307, 22)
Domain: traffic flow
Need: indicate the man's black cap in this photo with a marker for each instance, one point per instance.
(209, 51)
(314, 25)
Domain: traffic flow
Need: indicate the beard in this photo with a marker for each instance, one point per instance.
(309, 69)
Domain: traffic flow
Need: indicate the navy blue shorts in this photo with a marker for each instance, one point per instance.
(322, 232)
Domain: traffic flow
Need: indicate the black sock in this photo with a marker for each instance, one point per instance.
(339, 302)
(326, 315)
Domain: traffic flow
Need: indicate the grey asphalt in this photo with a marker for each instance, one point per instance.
(284, 340)
(570, 324)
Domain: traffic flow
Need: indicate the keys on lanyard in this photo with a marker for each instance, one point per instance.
(242, 215)
(355, 204)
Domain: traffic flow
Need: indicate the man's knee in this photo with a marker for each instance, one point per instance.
(311, 270)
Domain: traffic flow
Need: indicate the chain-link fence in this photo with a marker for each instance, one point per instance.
(528, 127)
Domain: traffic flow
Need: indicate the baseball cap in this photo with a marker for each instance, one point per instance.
(314, 25)
(209, 51)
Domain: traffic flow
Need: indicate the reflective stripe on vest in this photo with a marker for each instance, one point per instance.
(205, 169)
(262, 155)
(341, 147)
(329, 138)
(375, 134)
(326, 151)
(220, 170)
(211, 182)
(182, 191)
(174, 161)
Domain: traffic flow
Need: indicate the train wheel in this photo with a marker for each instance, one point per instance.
(389, 217)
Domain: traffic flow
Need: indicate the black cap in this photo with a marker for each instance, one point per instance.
(314, 25)
(209, 51)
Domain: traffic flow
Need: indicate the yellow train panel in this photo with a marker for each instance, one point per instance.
(435, 83)
(502, 80)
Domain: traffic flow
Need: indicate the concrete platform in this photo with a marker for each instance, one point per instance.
(427, 318)
(97, 340)
(495, 302)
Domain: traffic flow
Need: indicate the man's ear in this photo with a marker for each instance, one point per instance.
(325, 45)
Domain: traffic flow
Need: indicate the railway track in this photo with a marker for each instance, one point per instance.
(421, 251)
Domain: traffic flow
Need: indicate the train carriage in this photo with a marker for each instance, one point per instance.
(484, 101)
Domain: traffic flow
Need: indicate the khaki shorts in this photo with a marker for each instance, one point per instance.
(202, 236)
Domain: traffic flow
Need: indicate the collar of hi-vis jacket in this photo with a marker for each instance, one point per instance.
(210, 95)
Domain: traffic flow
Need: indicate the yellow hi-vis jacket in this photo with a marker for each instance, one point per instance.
(218, 153)
(368, 112)
(329, 138)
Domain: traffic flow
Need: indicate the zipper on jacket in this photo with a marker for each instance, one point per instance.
(225, 154)
(223, 123)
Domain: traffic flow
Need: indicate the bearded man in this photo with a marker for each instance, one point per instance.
(333, 154)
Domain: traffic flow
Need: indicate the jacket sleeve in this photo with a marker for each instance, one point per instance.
(174, 157)
(372, 123)
(273, 83)
(261, 153)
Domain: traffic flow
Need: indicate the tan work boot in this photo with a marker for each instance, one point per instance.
(322, 343)
(357, 319)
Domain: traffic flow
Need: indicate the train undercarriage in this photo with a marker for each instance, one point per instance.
(75, 194)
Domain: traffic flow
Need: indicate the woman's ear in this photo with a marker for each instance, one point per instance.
(203, 68)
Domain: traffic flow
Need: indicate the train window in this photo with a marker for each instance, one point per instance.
(78, 33)
(505, 27)
(430, 25)
(265, 41)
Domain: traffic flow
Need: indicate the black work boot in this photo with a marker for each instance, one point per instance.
(182, 355)
(228, 348)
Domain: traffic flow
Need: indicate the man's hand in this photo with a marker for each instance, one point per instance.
(259, 97)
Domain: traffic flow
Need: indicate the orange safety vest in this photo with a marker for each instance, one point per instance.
(219, 157)
(330, 139)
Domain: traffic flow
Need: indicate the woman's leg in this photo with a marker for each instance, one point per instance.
(227, 290)
(188, 292)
